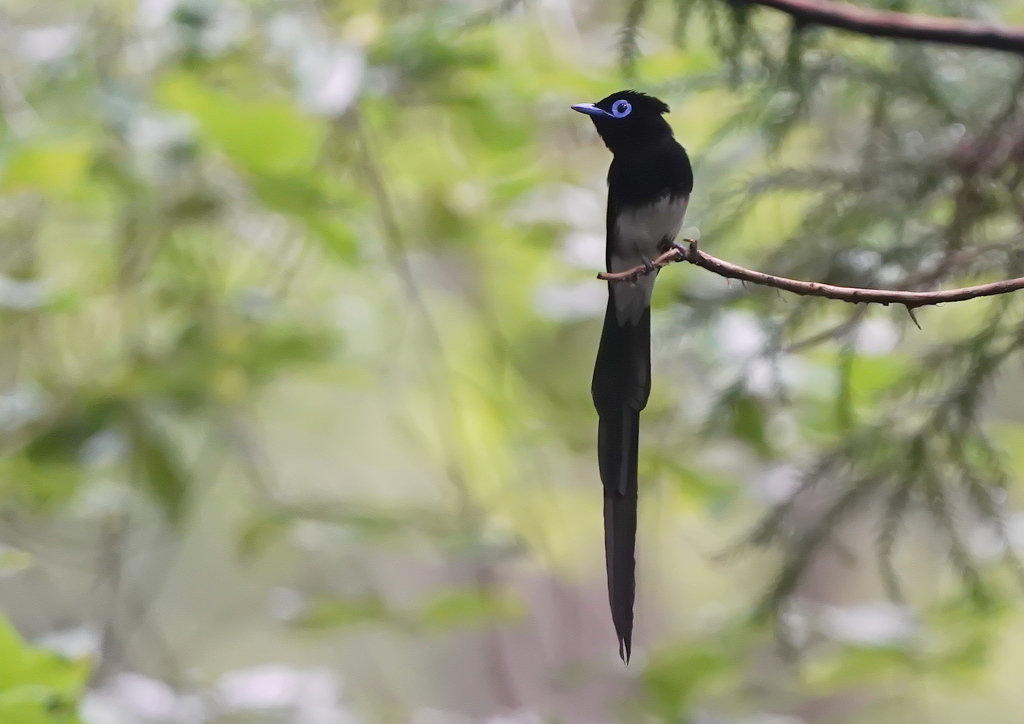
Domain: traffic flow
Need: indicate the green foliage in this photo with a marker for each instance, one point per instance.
(342, 613)
(48, 167)
(454, 608)
(747, 420)
(262, 136)
(674, 679)
(470, 607)
(37, 687)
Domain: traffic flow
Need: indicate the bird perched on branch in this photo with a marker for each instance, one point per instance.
(649, 184)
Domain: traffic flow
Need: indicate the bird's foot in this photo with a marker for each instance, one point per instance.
(640, 271)
(687, 250)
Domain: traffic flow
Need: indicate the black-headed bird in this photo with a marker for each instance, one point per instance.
(649, 184)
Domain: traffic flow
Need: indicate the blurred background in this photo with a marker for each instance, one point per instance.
(297, 321)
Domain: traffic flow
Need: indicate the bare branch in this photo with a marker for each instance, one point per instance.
(887, 24)
(854, 295)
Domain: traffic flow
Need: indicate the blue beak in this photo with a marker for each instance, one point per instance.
(590, 109)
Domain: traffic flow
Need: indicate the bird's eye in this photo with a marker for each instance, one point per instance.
(621, 109)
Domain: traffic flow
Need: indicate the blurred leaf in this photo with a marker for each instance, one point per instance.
(51, 166)
(748, 420)
(39, 486)
(673, 678)
(704, 489)
(856, 665)
(346, 612)
(337, 236)
(264, 136)
(164, 476)
(303, 198)
(1009, 437)
(870, 376)
(13, 560)
(60, 441)
(274, 347)
(291, 194)
(383, 526)
(37, 687)
(470, 607)
(964, 632)
(264, 531)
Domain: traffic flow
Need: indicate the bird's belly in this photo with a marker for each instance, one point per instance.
(641, 231)
(639, 236)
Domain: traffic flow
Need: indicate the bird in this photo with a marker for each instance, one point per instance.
(649, 184)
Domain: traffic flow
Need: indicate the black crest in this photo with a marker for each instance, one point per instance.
(628, 119)
(642, 101)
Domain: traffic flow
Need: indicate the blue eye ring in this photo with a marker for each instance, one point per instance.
(621, 108)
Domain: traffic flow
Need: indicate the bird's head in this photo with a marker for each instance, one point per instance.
(627, 118)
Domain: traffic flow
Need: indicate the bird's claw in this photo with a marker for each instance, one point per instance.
(687, 249)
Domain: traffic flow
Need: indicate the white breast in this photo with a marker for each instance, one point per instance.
(639, 235)
(640, 232)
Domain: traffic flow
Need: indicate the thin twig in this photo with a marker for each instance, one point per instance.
(853, 295)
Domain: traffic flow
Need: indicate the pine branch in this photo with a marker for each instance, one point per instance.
(629, 47)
